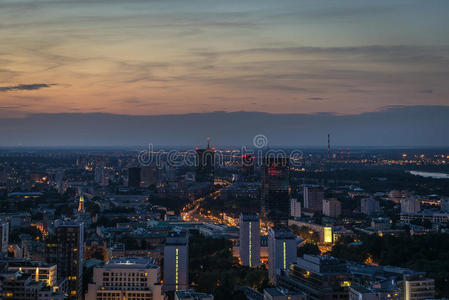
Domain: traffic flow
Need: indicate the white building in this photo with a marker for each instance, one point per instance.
(176, 262)
(410, 205)
(126, 278)
(369, 206)
(249, 240)
(281, 251)
(418, 287)
(331, 208)
(295, 208)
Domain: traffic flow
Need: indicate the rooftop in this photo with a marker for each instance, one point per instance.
(131, 263)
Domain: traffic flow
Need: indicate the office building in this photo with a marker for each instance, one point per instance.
(126, 278)
(281, 251)
(249, 240)
(67, 253)
(278, 293)
(369, 206)
(320, 277)
(276, 190)
(313, 198)
(192, 295)
(331, 208)
(417, 287)
(205, 161)
(4, 237)
(100, 174)
(410, 205)
(134, 177)
(176, 262)
(295, 208)
(247, 167)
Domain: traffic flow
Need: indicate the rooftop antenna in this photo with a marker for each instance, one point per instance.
(208, 142)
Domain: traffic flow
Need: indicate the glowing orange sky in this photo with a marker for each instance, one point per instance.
(164, 57)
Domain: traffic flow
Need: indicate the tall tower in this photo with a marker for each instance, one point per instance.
(281, 251)
(68, 254)
(81, 204)
(249, 240)
(276, 190)
(176, 262)
(205, 163)
(328, 146)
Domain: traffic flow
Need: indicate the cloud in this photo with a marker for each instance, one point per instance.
(426, 91)
(25, 87)
(317, 98)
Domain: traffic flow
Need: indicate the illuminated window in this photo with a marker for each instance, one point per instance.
(285, 259)
(177, 269)
(249, 248)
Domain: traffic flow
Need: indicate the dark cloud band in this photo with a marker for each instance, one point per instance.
(25, 87)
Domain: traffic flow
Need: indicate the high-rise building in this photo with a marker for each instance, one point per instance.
(417, 287)
(295, 208)
(247, 167)
(134, 177)
(126, 278)
(99, 174)
(205, 164)
(67, 252)
(176, 262)
(331, 208)
(369, 206)
(410, 205)
(313, 198)
(276, 190)
(4, 237)
(281, 251)
(249, 240)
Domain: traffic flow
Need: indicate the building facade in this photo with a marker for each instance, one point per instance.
(281, 251)
(331, 208)
(249, 238)
(313, 198)
(176, 262)
(276, 190)
(126, 278)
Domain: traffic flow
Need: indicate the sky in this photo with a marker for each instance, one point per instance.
(151, 57)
